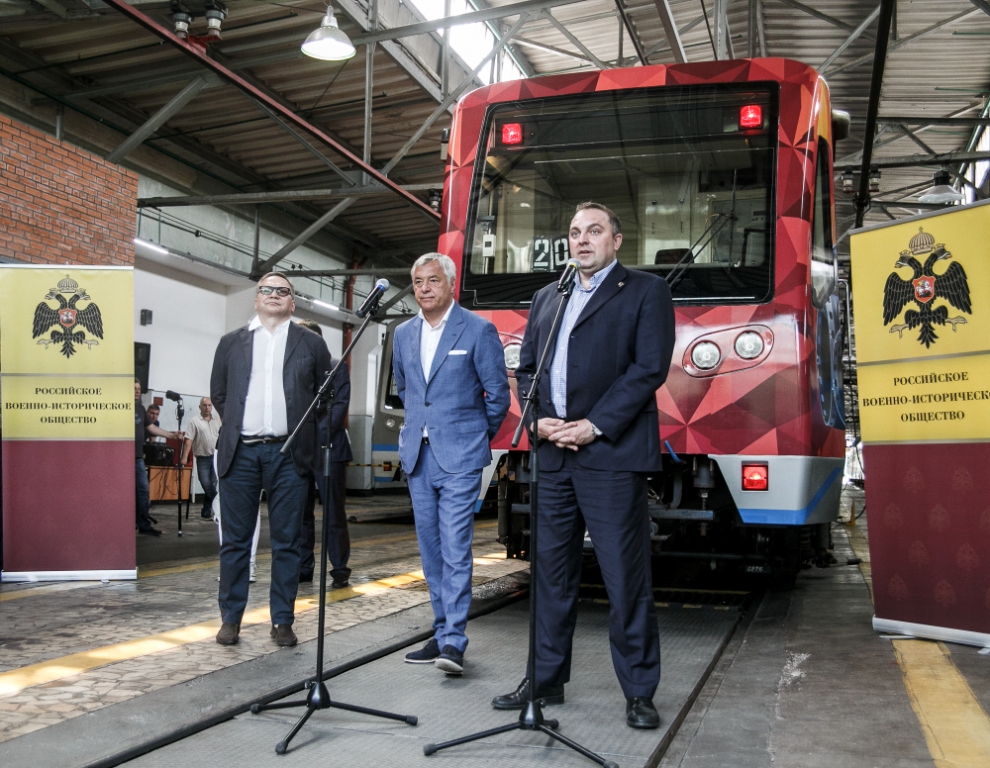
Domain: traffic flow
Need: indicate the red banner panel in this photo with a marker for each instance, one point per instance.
(929, 524)
(68, 505)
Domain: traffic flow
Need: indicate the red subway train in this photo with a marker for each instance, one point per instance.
(721, 174)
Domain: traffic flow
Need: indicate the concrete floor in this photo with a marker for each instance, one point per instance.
(803, 680)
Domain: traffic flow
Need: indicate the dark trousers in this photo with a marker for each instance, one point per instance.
(613, 505)
(257, 467)
(337, 537)
(142, 492)
(207, 479)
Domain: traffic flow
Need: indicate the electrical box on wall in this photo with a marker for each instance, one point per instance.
(146, 317)
(142, 363)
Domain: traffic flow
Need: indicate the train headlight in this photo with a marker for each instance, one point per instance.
(511, 352)
(705, 355)
(390, 423)
(749, 345)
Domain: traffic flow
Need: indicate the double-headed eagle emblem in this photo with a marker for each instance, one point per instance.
(68, 318)
(924, 288)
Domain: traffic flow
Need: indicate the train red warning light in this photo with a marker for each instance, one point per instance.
(750, 116)
(755, 477)
(512, 133)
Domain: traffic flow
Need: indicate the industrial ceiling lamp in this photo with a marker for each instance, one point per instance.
(941, 191)
(328, 42)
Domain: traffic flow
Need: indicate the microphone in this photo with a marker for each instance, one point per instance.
(371, 303)
(175, 396)
(567, 277)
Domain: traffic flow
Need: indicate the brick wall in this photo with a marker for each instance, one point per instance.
(61, 204)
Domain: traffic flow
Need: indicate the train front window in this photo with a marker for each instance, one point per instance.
(684, 168)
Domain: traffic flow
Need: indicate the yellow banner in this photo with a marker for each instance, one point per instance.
(921, 296)
(67, 352)
(943, 400)
(921, 289)
(61, 407)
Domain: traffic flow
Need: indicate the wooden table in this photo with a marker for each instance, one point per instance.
(163, 483)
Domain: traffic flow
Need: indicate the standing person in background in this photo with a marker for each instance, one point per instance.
(450, 373)
(142, 428)
(201, 438)
(337, 537)
(264, 377)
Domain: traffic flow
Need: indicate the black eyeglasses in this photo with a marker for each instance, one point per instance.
(268, 290)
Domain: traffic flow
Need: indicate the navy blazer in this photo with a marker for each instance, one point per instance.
(463, 401)
(335, 418)
(618, 356)
(306, 363)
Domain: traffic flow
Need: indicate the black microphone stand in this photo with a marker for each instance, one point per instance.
(531, 717)
(319, 695)
(179, 413)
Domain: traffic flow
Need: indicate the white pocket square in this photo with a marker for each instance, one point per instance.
(457, 352)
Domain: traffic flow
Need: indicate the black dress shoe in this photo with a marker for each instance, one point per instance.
(550, 694)
(150, 531)
(283, 635)
(340, 583)
(305, 577)
(640, 713)
(229, 633)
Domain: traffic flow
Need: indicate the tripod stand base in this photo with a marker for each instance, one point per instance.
(319, 698)
(530, 719)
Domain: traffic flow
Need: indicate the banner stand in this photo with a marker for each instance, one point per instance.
(69, 431)
(928, 632)
(921, 293)
(32, 576)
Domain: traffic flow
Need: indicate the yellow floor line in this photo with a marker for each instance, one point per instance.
(46, 589)
(956, 728)
(16, 680)
(360, 544)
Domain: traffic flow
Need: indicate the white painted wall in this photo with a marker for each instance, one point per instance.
(188, 321)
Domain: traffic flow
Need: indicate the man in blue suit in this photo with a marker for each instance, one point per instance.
(600, 438)
(450, 373)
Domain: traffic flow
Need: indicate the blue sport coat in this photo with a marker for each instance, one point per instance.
(463, 401)
(618, 356)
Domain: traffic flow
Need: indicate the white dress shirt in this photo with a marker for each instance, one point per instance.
(429, 340)
(264, 408)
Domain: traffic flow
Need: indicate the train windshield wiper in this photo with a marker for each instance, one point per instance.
(678, 271)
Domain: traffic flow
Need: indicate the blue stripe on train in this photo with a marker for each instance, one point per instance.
(384, 447)
(790, 516)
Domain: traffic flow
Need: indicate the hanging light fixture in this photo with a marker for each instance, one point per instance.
(941, 191)
(328, 42)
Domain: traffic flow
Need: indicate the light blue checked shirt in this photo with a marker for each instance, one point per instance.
(580, 297)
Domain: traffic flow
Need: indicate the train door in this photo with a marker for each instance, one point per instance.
(388, 418)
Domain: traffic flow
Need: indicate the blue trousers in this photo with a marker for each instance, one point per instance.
(207, 479)
(142, 493)
(613, 505)
(257, 467)
(443, 505)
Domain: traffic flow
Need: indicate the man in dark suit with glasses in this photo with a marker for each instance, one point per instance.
(264, 377)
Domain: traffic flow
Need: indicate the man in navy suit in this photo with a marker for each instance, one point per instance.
(450, 373)
(337, 536)
(600, 438)
(264, 377)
